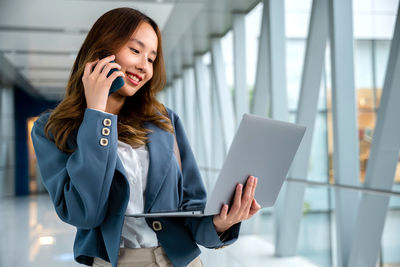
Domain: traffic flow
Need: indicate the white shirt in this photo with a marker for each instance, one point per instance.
(136, 233)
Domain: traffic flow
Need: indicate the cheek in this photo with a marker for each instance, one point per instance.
(150, 75)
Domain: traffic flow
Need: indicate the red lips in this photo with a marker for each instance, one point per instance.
(136, 75)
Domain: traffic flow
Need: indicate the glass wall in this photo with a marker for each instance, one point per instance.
(317, 240)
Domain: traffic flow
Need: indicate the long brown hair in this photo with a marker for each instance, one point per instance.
(109, 33)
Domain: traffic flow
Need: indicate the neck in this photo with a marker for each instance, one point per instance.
(114, 103)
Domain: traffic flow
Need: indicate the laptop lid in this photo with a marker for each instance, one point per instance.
(262, 147)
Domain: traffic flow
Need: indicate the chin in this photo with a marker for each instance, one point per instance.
(124, 91)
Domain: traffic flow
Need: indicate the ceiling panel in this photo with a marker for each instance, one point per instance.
(39, 41)
(40, 61)
(44, 84)
(45, 74)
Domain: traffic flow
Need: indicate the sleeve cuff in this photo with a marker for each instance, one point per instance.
(101, 111)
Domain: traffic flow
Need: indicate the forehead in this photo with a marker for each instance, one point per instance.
(145, 36)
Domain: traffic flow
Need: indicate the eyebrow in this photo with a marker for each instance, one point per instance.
(142, 44)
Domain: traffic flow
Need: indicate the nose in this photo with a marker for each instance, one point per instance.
(141, 64)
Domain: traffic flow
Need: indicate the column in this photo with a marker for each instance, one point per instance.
(8, 185)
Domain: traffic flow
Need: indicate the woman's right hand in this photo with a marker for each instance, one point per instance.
(96, 83)
(244, 207)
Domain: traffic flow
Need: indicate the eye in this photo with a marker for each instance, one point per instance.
(134, 50)
(150, 60)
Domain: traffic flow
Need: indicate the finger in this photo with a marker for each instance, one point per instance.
(89, 67)
(235, 207)
(249, 187)
(114, 75)
(254, 187)
(248, 206)
(224, 212)
(255, 204)
(247, 195)
(255, 207)
(100, 65)
(108, 67)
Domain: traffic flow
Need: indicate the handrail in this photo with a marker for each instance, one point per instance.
(329, 185)
(349, 187)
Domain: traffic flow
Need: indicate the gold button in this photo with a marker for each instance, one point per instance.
(105, 131)
(103, 141)
(107, 122)
(157, 226)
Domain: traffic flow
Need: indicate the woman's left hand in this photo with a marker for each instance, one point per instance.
(244, 207)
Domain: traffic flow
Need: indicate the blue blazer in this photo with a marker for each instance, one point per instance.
(89, 189)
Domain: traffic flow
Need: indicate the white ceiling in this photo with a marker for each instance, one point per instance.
(40, 38)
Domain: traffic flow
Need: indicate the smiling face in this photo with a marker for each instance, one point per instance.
(136, 58)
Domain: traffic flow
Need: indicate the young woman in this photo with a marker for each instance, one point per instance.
(102, 156)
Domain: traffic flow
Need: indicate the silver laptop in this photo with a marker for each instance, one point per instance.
(263, 148)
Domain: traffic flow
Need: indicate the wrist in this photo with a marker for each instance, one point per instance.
(97, 108)
(218, 227)
(220, 230)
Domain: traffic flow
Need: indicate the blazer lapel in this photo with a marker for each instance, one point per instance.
(120, 167)
(160, 151)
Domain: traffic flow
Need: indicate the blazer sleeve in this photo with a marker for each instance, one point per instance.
(194, 194)
(79, 183)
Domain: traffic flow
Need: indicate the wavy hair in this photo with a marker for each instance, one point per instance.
(109, 33)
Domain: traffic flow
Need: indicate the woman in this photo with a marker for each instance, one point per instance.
(102, 156)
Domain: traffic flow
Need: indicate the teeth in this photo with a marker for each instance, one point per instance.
(136, 79)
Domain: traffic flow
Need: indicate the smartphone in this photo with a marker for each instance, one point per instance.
(118, 82)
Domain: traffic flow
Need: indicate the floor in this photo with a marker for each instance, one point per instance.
(32, 235)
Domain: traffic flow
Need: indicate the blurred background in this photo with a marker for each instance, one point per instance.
(332, 65)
